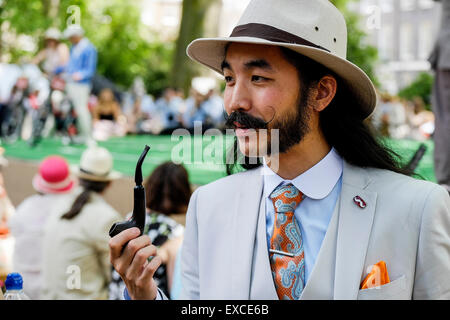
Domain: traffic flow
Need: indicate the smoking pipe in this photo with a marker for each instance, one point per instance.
(138, 217)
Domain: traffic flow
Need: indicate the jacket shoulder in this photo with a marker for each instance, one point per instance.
(408, 194)
(229, 183)
(393, 182)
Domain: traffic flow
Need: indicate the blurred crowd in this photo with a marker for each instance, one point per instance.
(57, 238)
(402, 119)
(171, 110)
(60, 93)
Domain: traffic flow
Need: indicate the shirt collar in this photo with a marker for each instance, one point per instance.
(316, 182)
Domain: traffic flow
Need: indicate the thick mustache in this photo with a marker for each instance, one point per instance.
(245, 120)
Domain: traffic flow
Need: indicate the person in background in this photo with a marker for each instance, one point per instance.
(55, 53)
(420, 120)
(440, 98)
(76, 263)
(53, 184)
(7, 211)
(203, 105)
(169, 109)
(107, 116)
(167, 195)
(80, 70)
(390, 118)
(215, 109)
(136, 105)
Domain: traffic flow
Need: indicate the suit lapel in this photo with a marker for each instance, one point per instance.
(245, 224)
(355, 224)
(262, 286)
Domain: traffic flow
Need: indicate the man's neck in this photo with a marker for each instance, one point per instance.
(300, 157)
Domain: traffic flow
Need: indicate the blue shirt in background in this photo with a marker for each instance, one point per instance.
(83, 59)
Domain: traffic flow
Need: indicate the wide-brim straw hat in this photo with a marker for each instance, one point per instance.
(96, 164)
(54, 176)
(73, 30)
(313, 28)
(53, 34)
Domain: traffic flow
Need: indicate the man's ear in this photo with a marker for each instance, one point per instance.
(325, 92)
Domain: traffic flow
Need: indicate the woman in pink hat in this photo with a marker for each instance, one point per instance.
(75, 264)
(53, 184)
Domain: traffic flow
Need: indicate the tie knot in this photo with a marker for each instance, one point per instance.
(286, 198)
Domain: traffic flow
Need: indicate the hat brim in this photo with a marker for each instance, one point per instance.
(113, 175)
(68, 33)
(40, 186)
(211, 53)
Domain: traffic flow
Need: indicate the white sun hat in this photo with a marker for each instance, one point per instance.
(96, 164)
(203, 84)
(73, 30)
(313, 28)
(52, 33)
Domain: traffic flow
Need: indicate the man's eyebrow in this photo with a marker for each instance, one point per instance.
(259, 63)
(224, 65)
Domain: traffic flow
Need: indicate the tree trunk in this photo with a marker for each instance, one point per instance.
(191, 27)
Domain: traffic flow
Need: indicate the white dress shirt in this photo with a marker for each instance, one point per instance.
(321, 186)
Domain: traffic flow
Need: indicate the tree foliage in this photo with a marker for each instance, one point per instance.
(124, 51)
(191, 27)
(126, 48)
(113, 26)
(358, 51)
(420, 87)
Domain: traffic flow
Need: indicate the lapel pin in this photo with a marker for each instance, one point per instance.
(359, 202)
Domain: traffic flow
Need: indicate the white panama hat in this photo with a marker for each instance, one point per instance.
(96, 164)
(52, 33)
(313, 28)
(203, 84)
(73, 30)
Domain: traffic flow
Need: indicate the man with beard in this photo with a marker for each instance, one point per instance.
(326, 212)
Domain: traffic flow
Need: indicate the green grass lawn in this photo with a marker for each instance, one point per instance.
(201, 155)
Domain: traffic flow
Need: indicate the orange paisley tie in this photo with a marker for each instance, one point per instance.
(286, 245)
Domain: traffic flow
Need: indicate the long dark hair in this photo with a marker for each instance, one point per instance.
(341, 122)
(89, 186)
(167, 189)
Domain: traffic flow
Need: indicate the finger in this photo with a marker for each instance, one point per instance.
(134, 246)
(139, 262)
(149, 271)
(117, 242)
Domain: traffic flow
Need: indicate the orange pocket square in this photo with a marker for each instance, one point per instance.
(378, 276)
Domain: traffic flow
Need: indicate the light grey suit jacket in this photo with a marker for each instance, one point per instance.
(406, 223)
(440, 56)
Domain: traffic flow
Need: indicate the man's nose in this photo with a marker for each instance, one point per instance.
(240, 98)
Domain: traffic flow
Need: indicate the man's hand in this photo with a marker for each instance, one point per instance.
(77, 76)
(132, 263)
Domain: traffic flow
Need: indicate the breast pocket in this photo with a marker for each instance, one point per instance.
(394, 290)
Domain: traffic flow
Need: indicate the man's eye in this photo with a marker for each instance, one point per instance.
(258, 78)
(228, 79)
